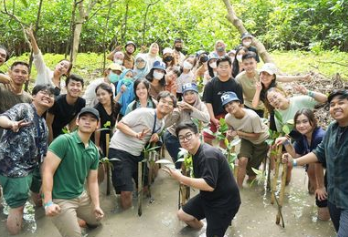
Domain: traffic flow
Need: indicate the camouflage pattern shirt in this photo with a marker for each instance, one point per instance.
(21, 152)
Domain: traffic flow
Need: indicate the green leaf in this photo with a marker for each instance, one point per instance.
(278, 116)
(286, 129)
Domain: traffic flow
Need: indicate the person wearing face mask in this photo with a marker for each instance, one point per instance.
(111, 76)
(118, 58)
(127, 57)
(169, 59)
(238, 61)
(178, 47)
(247, 40)
(232, 54)
(211, 72)
(201, 65)
(220, 50)
(125, 93)
(186, 75)
(156, 78)
(141, 68)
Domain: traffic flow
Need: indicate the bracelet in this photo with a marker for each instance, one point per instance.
(294, 163)
(311, 94)
(47, 204)
(286, 142)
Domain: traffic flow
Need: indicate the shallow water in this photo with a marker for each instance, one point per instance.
(256, 217)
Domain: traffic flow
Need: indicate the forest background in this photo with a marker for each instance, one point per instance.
(302, 36)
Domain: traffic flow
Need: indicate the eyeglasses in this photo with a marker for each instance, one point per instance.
(186, 137)
(46, 93)
(140, 61)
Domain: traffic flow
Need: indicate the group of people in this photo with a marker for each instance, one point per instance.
(53, 139)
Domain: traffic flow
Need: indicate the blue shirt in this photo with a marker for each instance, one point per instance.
(21, 152)
(333, 151)
(302, 147)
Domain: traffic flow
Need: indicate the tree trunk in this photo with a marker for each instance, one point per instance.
(236, 22)
(123, 36)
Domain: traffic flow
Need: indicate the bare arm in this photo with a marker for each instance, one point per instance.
(252, 136)
(5, 79)
(320, 97)
(97, 136)
(49, 168)
(93, 187)
(72, 125)
(33, 42)
(128, 131)
(49, 122)
(293, 78)
(303, 160)
(256, 99)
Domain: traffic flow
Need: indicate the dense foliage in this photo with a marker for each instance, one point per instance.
(280, 24)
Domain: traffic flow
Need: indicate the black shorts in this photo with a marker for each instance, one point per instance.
(125, 170)
(218, 219)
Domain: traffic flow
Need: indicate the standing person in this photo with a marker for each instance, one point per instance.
(212, 94)
(152, 56)
(238, 61)
(333, 151)
(310, 137)
(22, 147)
(108, 109)
(219, 50)
(111, 75)
(125, 92)
(72, 160)
(156, 77)
(186, 76)
(169, 59)
(247, 40)
(142, 96)
(133, 132)
(130, 49)
(178, 55)
(190, 108)
(65, 108)
(219, 199)
(12, 92)
(246, 124)
(46, 75)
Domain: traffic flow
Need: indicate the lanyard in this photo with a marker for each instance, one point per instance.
(154, 130)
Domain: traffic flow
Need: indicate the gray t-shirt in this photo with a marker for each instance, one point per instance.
(250, 123)
(137, 120)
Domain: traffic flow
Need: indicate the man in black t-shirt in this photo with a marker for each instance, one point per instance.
(213, 92)
(66, 107)
(219, 199)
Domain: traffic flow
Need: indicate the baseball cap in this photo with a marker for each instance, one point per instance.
(159, 65)
(89, 110)
(189, 87)
(114, 67)
(227, 97)
(246, 35)
(270, 68)
(167, 50)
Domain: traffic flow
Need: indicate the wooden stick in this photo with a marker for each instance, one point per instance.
(107, 166)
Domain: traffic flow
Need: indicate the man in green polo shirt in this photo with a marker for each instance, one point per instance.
(71, 159)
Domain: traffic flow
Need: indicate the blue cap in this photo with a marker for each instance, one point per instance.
(159, 65)
(189, 87)
(227, 97)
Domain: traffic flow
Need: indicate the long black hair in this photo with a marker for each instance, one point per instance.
(147, 86)
(115, 106)
(235, 70)
(149, 77)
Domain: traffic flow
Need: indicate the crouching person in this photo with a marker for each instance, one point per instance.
(71, 159)
(219, 199)
(22, 147)
(246, 124)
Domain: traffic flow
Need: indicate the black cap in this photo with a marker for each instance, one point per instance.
(132, 43)
(89, 110)
(340, 92)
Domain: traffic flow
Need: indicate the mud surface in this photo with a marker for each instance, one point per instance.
(256, 216)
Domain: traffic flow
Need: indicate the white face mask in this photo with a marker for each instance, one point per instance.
(213, 65)
(239, 58)
(158, 75)
(247, 43)
(187, 65)
(119, 62)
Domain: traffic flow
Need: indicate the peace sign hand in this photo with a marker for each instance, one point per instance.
(16, 125)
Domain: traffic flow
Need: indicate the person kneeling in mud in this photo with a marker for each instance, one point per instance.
(219, 199)
(71, 160)
(135, 130)
(246, 124)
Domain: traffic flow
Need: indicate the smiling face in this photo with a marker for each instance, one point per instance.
(63, 67)
(188, 140)
(74, 88)
(266, 78)
(233, 107)
(303, 125)
(165, 106)
(19, 74)
(3, 56)
(224, 70)
(339, 109)
(249, 65)
(44, 99)
(154, 49)
(190, 97)
(277, 100)
(104, 97)
(87, 123)
(141, 91)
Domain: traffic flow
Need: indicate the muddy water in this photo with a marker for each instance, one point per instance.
(256, 216)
